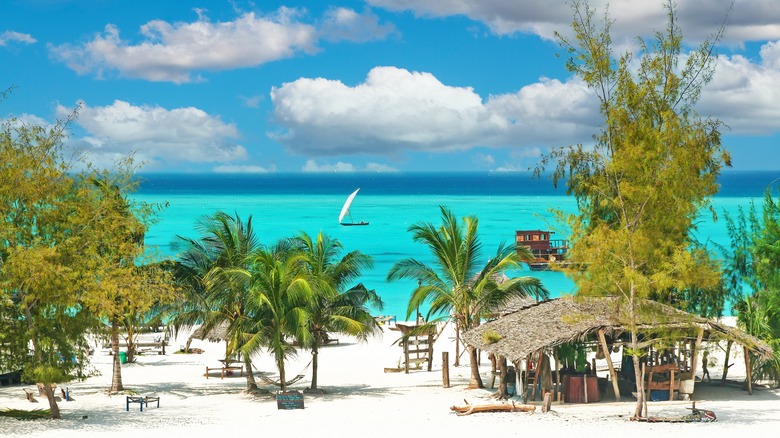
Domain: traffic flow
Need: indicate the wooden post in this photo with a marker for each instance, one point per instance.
(406, 354)
(608, 357)
(695, 356)
(547, 401)
(526, 379)
(557, 393)
(430, 352)
(748, 370)
(445, 369)
(457, 344)
(536, 375)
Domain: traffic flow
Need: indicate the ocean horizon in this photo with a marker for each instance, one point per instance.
(284, 205)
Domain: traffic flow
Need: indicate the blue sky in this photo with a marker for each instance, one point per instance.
(374, 85)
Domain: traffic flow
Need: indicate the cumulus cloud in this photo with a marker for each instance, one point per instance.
(750, 20)
(744, 95)
(175, 51)
(396, 110)
(157, 135)
(10, 36)
(344, 24)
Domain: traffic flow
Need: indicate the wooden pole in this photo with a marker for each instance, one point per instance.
(557, 393)
(608, 357)
(445, 369)
(748, 370)
(695, 356)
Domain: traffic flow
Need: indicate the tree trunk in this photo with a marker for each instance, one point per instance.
(476, 380)
(282, 377)
(503, 394)
(251, 384)
(640, 384)
(116, 377)
(726, 365)
(53, 406)
(457, 345)
(315, 354)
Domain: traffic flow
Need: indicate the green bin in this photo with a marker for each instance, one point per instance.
(122, 357)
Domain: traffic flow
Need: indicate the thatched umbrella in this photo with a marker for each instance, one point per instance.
(213, 334)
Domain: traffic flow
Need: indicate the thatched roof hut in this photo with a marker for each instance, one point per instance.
(535, 326)
(212, 334)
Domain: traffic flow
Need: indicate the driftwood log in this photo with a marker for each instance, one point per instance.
(469, 409)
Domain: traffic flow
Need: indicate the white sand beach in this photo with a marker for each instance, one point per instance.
(361, 399)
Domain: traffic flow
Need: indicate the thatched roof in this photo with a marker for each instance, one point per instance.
(571, 319)
(213, 334)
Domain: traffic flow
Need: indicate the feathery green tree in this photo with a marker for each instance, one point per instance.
(753, 275)
(652, 168)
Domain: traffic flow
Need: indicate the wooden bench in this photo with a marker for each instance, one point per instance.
(226, 368)
(143, 400)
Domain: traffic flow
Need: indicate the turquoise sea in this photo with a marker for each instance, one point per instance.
(282, 205)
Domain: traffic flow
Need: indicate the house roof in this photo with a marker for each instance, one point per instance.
(550, 323)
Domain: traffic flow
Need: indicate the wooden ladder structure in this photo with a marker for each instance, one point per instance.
(418, 349)
(417, 343)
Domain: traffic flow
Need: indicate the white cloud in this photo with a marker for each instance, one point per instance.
(157, 135)
(252, 101)
(10, 36)
(313, 166)
(344, 24)
(744, 95)
(378, 167)
(227, 168)
(395, 110)
(750, 20)
(175, 51)
(340, 166)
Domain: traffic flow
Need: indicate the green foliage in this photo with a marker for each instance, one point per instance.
(491, 337)
(753, 263)
(459, 285)
(653, 166)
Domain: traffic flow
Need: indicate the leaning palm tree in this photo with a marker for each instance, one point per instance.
(215, 296)
(458, 286)
(277, 303)
(334, 308)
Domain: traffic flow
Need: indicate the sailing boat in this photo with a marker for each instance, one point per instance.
(345, 211)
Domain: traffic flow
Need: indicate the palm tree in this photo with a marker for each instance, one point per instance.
(334, 309)
(215, 296)
(458, 286)
(277, 302)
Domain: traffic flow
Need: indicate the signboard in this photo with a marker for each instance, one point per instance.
(289, 400)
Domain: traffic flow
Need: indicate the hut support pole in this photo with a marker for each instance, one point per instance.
(608, 357)
(557, 394)
(748, 370)
(695, 355)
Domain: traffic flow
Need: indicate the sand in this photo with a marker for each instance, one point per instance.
(361, 399)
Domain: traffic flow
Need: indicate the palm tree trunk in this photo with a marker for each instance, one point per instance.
(476, 380)
(116, 376)
(282, 377)
(251, 384)
(457, 345)
(314, 364)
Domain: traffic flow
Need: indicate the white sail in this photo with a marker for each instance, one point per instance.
(345, 208)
